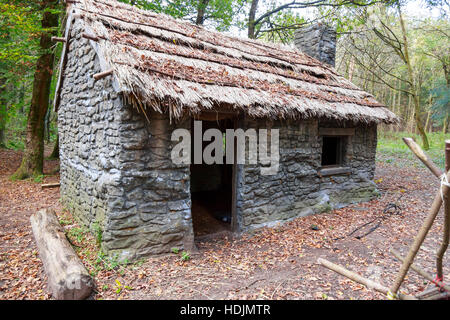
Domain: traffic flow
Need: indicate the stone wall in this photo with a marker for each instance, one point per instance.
(317, 41)
(116, 171)
(358, 185)
(297, 189)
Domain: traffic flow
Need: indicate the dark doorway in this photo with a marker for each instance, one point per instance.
(332, 151)
(211, 189)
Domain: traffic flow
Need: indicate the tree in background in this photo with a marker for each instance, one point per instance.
(276, 16)
(403, 62)
(218, 14)
(18, 45)
(398, 59)
(33, 158)
(434, 43)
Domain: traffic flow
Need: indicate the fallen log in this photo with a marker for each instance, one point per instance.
(50, 185)
(68, 279)
(357, 278)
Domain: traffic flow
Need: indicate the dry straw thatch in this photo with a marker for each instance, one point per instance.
(176, 67)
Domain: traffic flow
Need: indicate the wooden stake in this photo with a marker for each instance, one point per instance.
(426, 226)
(102, 75)
(58, 39)
(447, 155)
(50, 185)
(427, 293)
(417, 150)
(446, 235)
(90, 37)
(439, 296)
(357, 278)
(419, 270)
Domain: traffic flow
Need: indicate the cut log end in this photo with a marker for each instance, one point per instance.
(58, 39)
(50, 185)
(90, 37)
(102, 75)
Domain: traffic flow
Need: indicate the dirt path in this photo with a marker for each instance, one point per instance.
(21, 272)
(278, 263)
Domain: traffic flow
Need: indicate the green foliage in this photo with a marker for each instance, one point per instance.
(77, 233)
(219, 14)
(441, 102)
(39, 178)
(20, 31)
(281, 26)
(391, 148)
(185, 256)
(98, 232)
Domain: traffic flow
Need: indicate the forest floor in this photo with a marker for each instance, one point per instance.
(276, 263)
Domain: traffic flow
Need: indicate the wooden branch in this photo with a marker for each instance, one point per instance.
(417, 150)
(90, 37)
(418, 270)
(102, 75)
(50, 185)
(426, 226)
(357, 278)
(68, 279)
(438, 296)
(446, 234)
(58, 39)
(427, 293)
(447, 155)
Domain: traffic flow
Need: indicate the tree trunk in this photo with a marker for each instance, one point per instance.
(251, 19)
(201, 9)
(413, 88)
(351, 68)
(445, 126)
(427, 122)
(33, 158)
(55, 152)
(2, 113)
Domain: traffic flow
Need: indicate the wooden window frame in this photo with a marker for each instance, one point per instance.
(343, 134)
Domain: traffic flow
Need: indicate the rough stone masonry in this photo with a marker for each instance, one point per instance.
(317, 41)
(117, 175)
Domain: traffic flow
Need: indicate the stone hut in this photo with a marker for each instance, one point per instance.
(129, 78)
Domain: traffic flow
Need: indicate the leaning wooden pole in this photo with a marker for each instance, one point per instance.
(419, 270)
(426, 226)
(417, 150)
(357, 278)
(446, 236)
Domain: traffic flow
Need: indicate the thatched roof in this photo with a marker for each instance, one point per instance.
(173, 66)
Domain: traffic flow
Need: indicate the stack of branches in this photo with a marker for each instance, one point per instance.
(441, 290)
